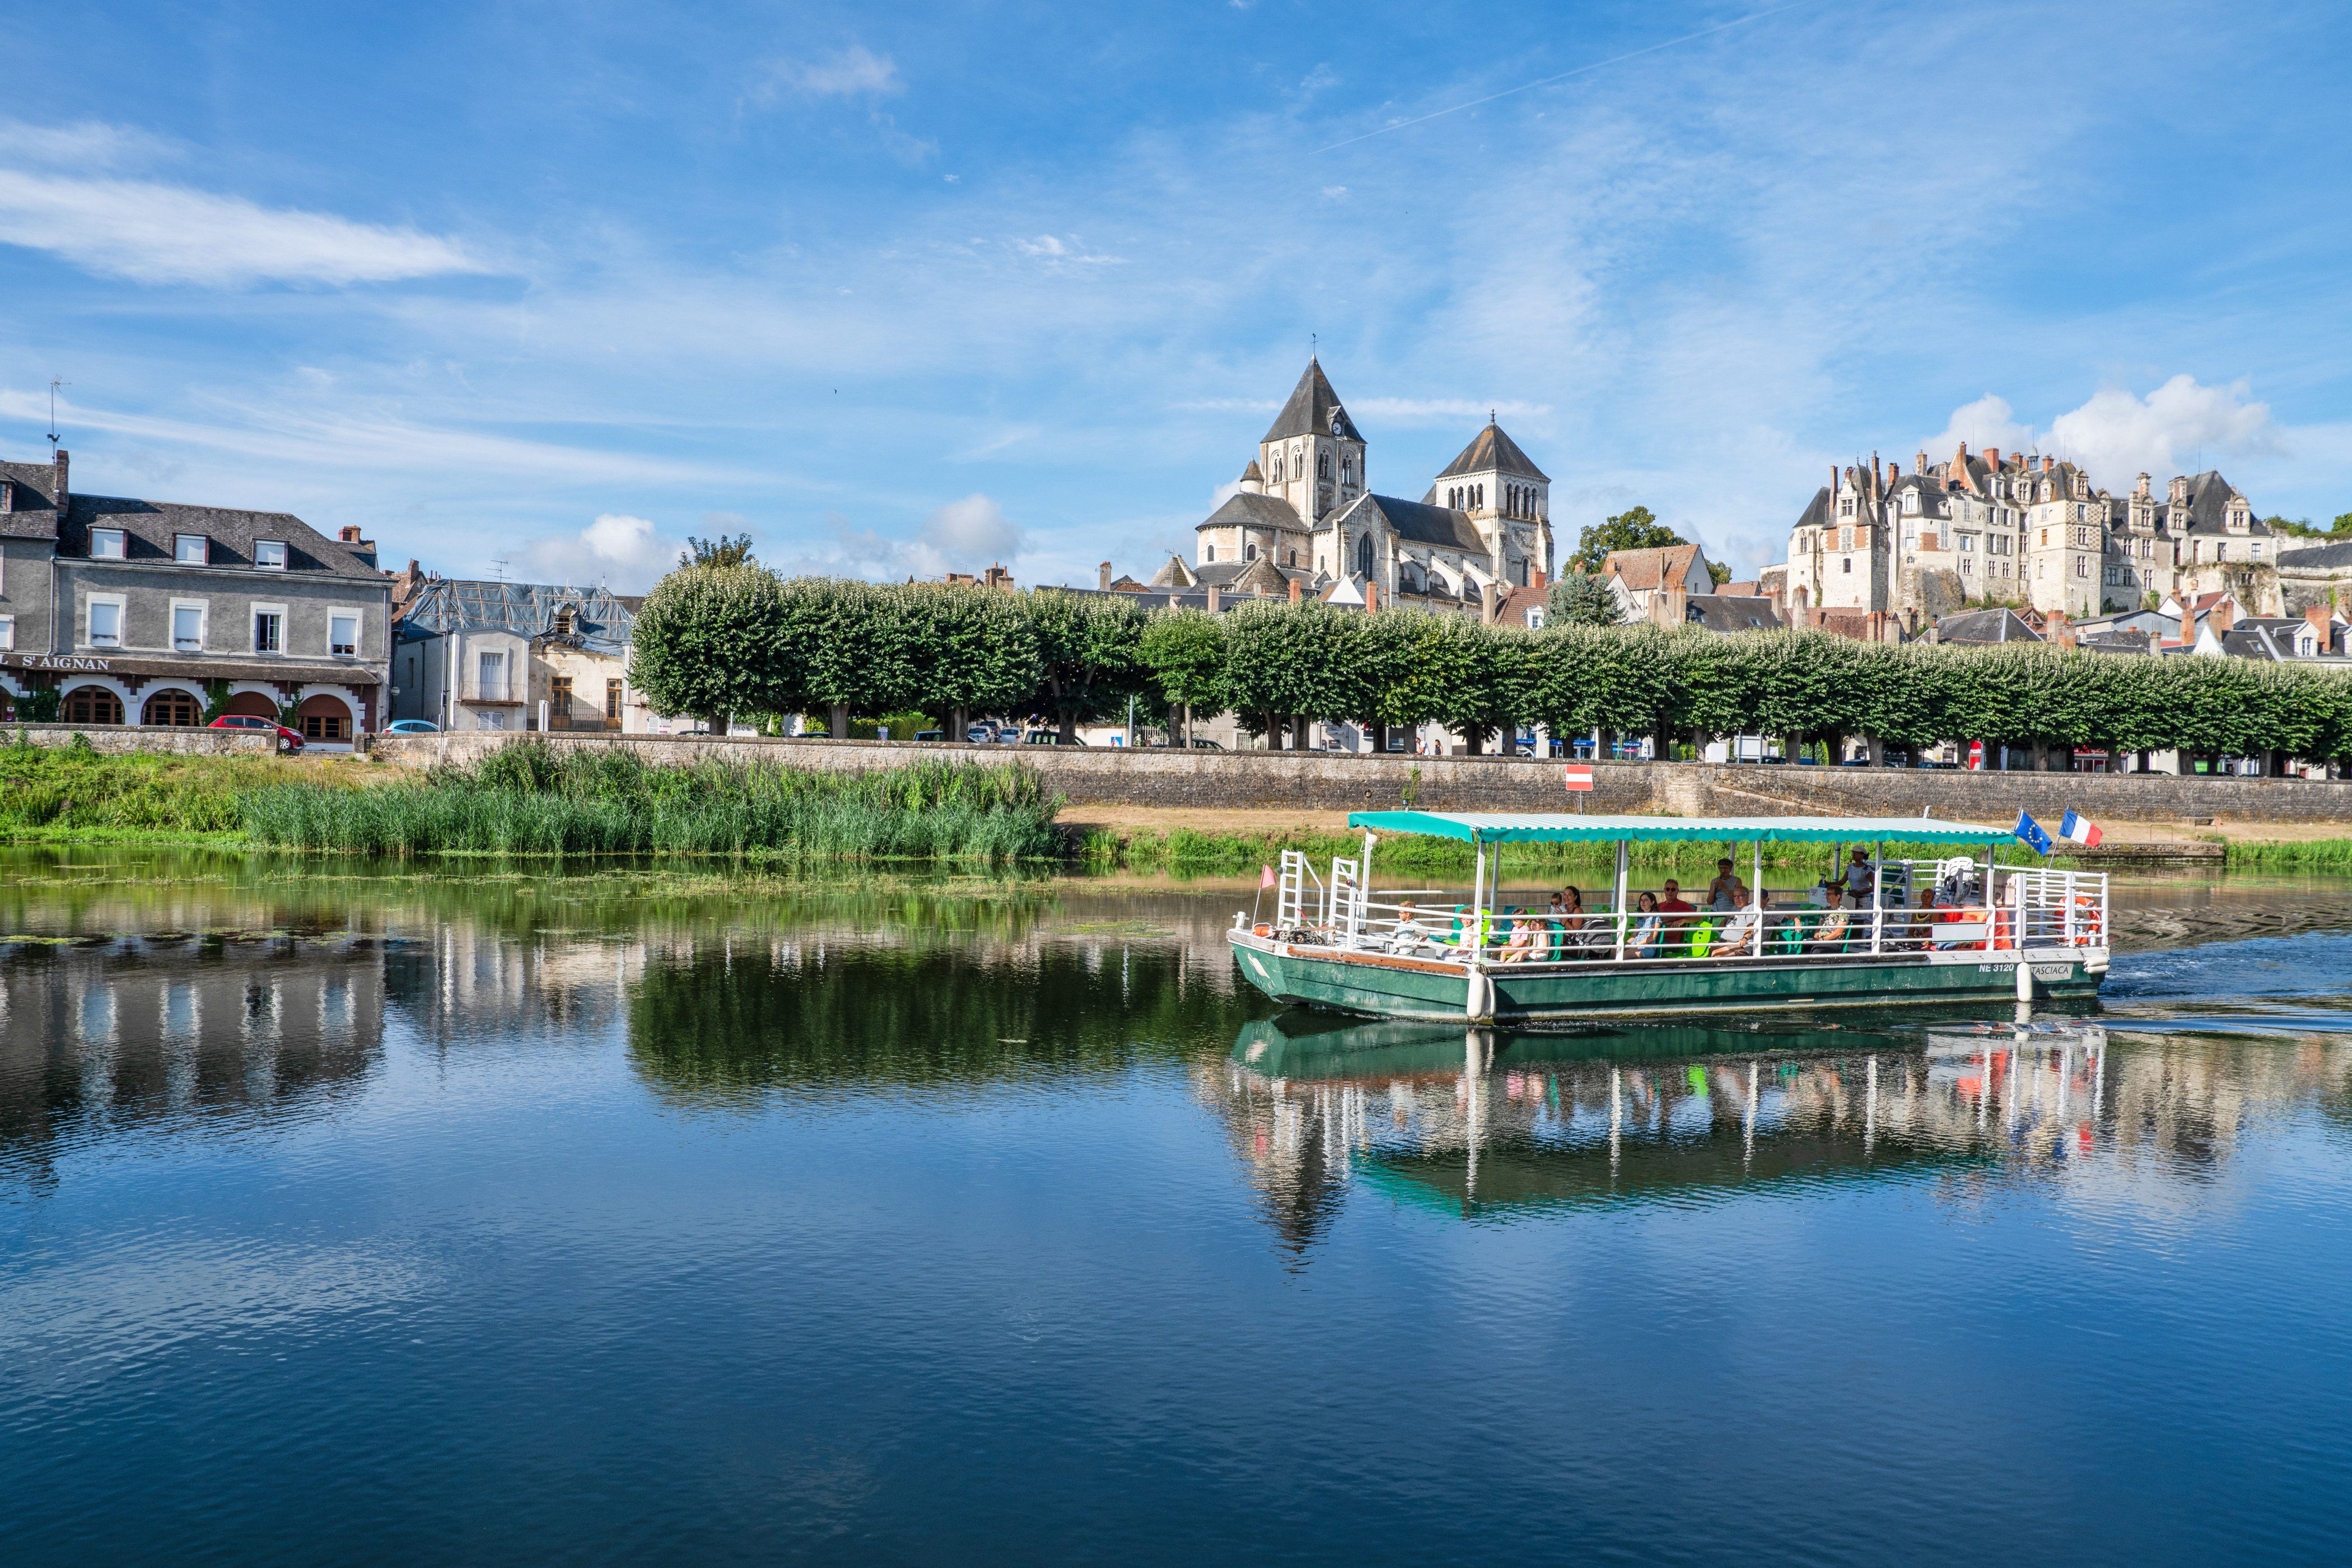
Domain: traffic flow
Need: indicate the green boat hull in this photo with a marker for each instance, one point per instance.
(1369, 987)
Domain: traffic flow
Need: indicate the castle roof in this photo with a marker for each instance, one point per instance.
(1491, 451)
(1313, 410)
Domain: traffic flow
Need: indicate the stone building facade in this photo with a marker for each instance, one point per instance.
(139, 612)
(471, 654)
(1305, 513)
(2032, 532)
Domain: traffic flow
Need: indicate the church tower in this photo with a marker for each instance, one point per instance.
(1508, 501)
(1311, 455)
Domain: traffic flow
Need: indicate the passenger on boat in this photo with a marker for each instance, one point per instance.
(1829, 935)
(1648, 937)
(1858, 879)
(1521, 948)
(1410, 937)
(1735, 935)
(1726, 891)
(1577, 935)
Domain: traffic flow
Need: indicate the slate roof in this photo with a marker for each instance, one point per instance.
(1248, 509)
(1985, 626)
(33, 510)
(1253, 474)
(1416, 522)
(1491, 450)
(602, 622)
(1817, 513)
(2209, 507)
(2317, 558)
(1731, 613)
(1313, 410)
(149, 528)
(1932, 496)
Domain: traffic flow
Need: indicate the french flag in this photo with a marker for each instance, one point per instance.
(2081, 829)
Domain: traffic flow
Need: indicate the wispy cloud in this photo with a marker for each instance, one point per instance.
(853, 72)
(151, 233)
(1054, 248)
(622, 553)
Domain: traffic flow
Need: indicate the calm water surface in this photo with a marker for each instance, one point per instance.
(363, 1217)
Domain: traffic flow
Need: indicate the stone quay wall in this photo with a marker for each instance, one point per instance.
(1339, 781)
(176, 739)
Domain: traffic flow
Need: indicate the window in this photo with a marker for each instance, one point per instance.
(563, 623)
(323, 727)
(1249, 552)
(109, 544)
(106, 623)
(8, 631)
(188, 628)
(490, 677)
(343, 634)
(1208, 555)
(1847, 564)
(1967, 543)
(268, 631)
(269, 554)
(93, 705)
(612, 701)
(191, 550)
(2255, 551)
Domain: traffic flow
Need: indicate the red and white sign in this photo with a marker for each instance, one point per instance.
(1975, 756)
(1578, 778)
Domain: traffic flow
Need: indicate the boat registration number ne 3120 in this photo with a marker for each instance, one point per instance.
(1948, 927)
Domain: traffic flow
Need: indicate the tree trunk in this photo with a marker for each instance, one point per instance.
(715, 723)
(1179, 715)
(1297, 733)
(840, 721)
(1876, 749)
(1379, 738)
(1473, 740)
(1067, 735)
(958, 725)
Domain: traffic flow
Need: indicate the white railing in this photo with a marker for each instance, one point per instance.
(2037, 907)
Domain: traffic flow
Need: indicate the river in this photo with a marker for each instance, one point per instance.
(347, 1213)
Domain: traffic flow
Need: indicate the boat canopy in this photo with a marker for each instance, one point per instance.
(1545, 828)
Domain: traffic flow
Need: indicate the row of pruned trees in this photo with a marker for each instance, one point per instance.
(738, 640)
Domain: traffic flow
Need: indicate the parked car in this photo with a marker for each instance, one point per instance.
(412, 727)
(1206, 745)
(1050, 738)
(931, 734)
(288, 738)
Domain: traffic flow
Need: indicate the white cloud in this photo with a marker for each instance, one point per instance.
(622, 552)
(1434, 409)
(86, 144)
(2178, 426)
(1988, 422)
(845, 73)
(967, 529)
(151, 233)
(1052, 248)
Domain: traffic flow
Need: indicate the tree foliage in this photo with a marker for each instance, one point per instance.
(1583, 599)
(1636, 528)
(713, 641)
(719, 552)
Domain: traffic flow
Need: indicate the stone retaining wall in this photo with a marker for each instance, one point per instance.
(177, 740)
(1329, 780)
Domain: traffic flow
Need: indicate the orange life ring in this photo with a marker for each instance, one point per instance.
(2087, 919)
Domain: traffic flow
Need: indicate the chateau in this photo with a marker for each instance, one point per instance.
(2030, 532)
(1306, 520)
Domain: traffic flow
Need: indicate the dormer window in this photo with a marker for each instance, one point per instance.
(563, 623)
(109, 544)
(191, 550)
(269, 554)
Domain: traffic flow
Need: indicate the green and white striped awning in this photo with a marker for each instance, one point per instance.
(1544, 827)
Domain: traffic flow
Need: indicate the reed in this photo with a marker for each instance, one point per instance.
(530, 799)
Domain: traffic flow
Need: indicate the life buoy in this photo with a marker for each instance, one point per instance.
(2086, 921)
(2003, 936)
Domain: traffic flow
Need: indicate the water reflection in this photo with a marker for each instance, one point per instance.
(134, 1034)
(1490, 1125)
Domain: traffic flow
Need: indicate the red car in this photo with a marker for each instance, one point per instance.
(248, 722)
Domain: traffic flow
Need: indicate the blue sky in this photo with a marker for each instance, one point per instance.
(907, 288)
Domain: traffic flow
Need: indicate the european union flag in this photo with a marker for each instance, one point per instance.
(2031, 831)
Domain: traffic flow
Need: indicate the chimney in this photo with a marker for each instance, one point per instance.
(1535, 576)
(2224, 615)
(1102, 576)
(2140, 489)
(2048, 462)
(1919, 465)
(1213, 598)
(1992, 456)
(60, 488)
(1371, 595)
(1294, 590)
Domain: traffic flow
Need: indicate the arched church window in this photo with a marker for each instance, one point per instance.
(1209, 554)
(1364, 555)
(1323, 465)
(1249, 552)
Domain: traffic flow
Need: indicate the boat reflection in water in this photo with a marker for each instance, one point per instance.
(1484, 1122)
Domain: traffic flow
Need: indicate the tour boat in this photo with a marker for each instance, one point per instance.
(1957, 928)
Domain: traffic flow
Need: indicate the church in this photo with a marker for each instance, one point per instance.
(1305, 520)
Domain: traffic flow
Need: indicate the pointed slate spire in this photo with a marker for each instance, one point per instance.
(1314, 409)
